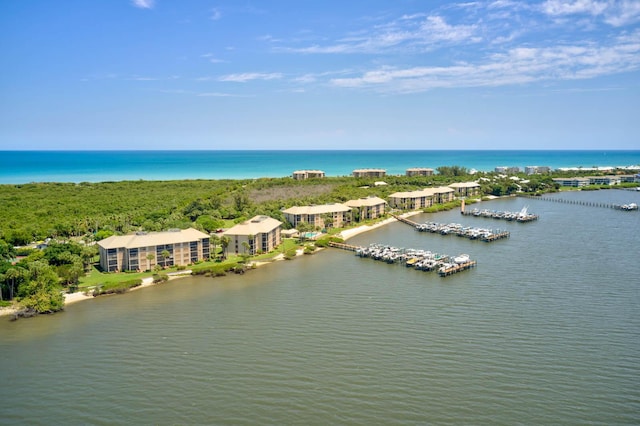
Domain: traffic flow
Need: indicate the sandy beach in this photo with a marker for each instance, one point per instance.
(147, 282)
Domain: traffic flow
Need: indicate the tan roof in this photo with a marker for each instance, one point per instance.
(427, 192)
(308, 171)
(366, 201)
(150, 239)
(317, 209)
(368, 170)
(256, 225)
(419, 169)
(464, 185)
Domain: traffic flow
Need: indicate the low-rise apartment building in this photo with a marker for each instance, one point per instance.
(419, 171)
(466, 189)
(144, 250)
(413, 200)
(260, 233)
(308, 174)
(367, 173)
(532, 170)
(367, 208)
(575, 181)
(319, 216)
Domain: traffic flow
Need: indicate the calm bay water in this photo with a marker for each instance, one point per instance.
(546, 330)
(99, 166)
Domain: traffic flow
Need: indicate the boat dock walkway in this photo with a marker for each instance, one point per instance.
(623, 207)
(522, 216)
(454, 269)
(482, 234)
(420, 260)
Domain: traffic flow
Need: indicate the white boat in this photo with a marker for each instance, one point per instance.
(462, 258)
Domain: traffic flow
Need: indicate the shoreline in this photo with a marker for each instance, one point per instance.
(71, 298)
(79, 296)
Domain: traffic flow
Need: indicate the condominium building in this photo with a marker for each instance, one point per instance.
(532, 170)
(319, 216)
(308, 174)
(466, 189)
(368, 173)
(575, 181)
(413, 200)
(367, 208)
(261, 234)
(142, 251)
(419, 171)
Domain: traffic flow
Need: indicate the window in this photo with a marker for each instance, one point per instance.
(112, 260)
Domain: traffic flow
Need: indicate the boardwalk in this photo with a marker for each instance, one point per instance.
(623, 207)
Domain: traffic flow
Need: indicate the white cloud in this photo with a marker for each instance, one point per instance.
(563, 7)
(515, 66)
(409, 32)
(144, 4)
(435, 28)
(614, 12)
(623, 13)
(244, 77)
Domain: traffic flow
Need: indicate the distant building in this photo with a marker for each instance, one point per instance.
(419, 171)
(575, 181)
(367, 173)
(319, 216)
(627, 178)
(261, 233)
(504, 169)
(308, 174)
(604, 180)
(466, 189)
(532, 170)
(142, 250)
(414, 200)
(368, 207)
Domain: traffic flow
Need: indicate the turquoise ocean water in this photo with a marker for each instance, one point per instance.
(99, 166)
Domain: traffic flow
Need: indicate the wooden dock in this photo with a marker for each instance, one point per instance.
(454, 269)
(405, 220)
(623, 207)
(521, 217)
(419, 260)
(343, 246)
(493, 237)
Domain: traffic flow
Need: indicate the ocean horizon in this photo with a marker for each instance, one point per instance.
(19, 167)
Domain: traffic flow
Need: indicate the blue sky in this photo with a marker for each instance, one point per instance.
(285, 74)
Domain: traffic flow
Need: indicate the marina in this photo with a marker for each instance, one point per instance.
(522, 216)
(482, 234)
(420, 260)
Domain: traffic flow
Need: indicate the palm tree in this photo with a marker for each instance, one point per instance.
(215, 240)
(150, 258)
(245, 251)
(165, 255)
(224, 241)
(13, 274)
